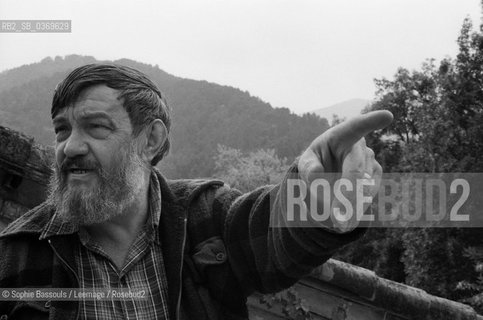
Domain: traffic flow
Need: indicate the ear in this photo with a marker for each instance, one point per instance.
(156, 135)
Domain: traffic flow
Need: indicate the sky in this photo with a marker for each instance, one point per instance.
(298, 54)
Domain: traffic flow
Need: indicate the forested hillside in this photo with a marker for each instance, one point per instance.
(204, 115)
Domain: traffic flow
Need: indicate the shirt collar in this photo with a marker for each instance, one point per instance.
(58, 227)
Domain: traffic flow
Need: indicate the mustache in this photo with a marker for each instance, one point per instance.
(80, 163)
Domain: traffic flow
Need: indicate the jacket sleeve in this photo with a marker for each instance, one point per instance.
(266, 258)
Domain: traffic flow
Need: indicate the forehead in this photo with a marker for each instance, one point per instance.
(96, 99)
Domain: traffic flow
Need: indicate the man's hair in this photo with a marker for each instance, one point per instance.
(142, 99)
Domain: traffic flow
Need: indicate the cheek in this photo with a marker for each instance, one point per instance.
(107, 158)
(110, 154)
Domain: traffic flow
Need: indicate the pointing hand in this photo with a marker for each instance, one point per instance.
(342, 149)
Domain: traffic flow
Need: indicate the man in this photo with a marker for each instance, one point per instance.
(195, 248)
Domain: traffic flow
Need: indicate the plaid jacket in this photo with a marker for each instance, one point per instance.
(218, 248)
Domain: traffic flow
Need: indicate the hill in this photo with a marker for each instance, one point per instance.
(345, 109)
(204, 114)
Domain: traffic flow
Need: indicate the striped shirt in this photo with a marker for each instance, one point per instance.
(142, 274)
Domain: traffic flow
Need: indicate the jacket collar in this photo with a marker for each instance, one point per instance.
(177, 197)
(173, 236)
(30, 223)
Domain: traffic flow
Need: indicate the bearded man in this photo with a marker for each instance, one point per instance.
(196, 248)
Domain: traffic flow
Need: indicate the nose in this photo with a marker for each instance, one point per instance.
(75, 145)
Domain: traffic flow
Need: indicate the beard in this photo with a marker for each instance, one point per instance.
(116, 189)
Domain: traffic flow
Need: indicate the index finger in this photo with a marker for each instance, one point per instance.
(347, 133)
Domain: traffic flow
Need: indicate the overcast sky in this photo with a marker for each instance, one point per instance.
(299, 54)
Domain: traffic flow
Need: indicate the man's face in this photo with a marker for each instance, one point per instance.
(98, 171)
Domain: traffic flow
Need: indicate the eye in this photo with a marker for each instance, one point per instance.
(97, 126)
(61, 132)
(99, 130)
(58, 129)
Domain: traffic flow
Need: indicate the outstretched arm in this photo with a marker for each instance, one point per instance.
(267, 258)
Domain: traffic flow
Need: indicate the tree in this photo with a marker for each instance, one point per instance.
(473, 290)
(438, 115)
(248, 171)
